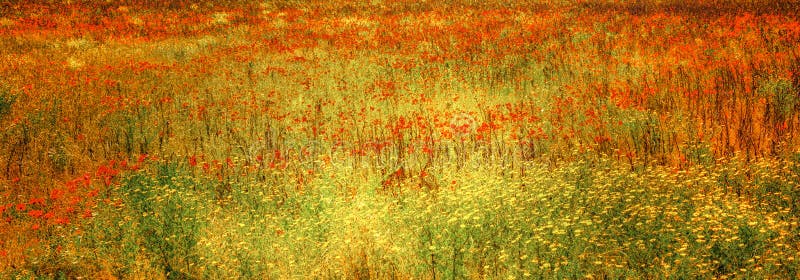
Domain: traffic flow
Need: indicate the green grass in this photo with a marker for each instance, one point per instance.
(600, 140)
(591, 218)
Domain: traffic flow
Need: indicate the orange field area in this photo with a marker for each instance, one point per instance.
(399, 139)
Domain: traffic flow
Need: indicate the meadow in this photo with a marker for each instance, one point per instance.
(400, 139)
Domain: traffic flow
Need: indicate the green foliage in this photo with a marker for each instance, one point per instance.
(6, 101)
(289, 142)
(699, 153)
(781, 94)
(168, 211)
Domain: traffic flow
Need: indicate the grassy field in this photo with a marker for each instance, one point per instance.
(399, 139)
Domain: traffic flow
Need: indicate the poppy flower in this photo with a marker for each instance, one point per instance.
(35, 213)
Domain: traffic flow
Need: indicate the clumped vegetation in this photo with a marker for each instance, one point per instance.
(399, 139)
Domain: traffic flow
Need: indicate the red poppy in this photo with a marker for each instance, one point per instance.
(36, 200)
(55, 194)
(35, 213)
(62, 221)
(87, 179)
